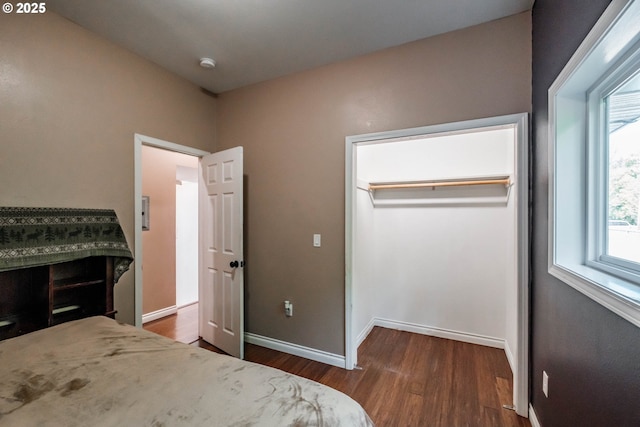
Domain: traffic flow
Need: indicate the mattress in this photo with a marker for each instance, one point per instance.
(98, 372)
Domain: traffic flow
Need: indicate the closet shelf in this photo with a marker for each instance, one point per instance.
(505, 180)
(460, 191)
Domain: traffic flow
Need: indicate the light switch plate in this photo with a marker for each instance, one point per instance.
(316, 240)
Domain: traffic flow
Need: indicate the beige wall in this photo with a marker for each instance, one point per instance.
(70, 103)
(293, 130)
(159, 242)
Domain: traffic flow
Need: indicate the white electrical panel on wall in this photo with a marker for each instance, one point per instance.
(145, 213)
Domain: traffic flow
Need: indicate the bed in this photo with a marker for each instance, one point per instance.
(64, 360)
(98, 372)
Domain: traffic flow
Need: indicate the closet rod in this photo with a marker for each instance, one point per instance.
(452, 183)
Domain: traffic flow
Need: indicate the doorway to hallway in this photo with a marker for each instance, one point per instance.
(170, 237)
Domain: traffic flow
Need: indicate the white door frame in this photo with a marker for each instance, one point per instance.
(138, 141)
(521, 122)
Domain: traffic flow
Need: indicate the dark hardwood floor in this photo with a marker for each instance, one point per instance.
(181, 327)
(406, 379)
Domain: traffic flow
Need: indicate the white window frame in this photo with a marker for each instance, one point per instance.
(598, 164)
(575, 192)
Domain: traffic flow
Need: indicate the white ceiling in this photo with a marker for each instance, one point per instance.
(257, 40)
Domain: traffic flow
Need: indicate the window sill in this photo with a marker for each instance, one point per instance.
(618, 295)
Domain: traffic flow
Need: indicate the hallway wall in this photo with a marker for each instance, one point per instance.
(159, 242)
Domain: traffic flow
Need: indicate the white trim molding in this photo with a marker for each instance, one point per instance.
(510, 358)
(437, 332)
(159, 314)
(533, 419)
(296, 350)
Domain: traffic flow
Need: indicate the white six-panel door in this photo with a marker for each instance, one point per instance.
(221, 253)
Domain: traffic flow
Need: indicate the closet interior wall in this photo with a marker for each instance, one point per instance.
(437, 261)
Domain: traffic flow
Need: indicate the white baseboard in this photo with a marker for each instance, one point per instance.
(340, 361)
(509, 354)
(533, 419)
(365, 332)
(186, 304)
(438, 332)
(159, 314)
(296, 350)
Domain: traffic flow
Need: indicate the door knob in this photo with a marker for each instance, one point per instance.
(234, 264)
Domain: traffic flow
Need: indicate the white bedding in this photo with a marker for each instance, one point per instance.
(97, 372)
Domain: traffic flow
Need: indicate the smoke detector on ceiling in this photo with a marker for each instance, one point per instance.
(207, 63)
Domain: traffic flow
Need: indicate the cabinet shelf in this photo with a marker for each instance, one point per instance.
(76, 282)
(37, 297)
(65, 309)
(21, 323)
(6, 323)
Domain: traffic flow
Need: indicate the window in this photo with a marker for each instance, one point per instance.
(623, 110)
(594, 197)
(614, 142)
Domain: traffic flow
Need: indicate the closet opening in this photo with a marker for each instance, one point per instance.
(437, 236)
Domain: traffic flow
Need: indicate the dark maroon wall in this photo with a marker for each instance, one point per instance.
(592, 355)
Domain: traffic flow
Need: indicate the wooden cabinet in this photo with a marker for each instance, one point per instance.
(38, 297)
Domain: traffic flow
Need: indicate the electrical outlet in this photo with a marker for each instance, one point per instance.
(288, 308)
(545, 383)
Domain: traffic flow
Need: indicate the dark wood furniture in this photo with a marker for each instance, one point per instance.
(38, 297)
